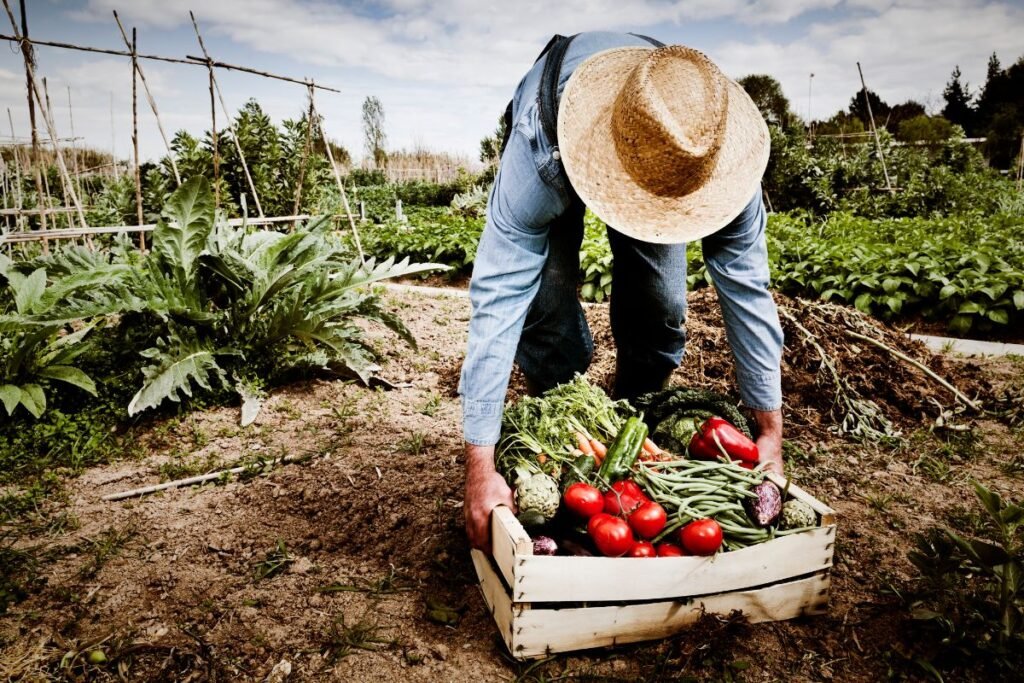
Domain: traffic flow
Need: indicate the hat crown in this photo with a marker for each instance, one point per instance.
(668, 120)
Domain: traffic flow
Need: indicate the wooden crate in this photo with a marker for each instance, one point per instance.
(627, 600)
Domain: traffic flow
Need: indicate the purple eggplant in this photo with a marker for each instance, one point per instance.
(767, 506)
(543, 545)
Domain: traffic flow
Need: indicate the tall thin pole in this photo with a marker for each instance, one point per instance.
(810, 121)
(17, 175)
(1020, 166)
(63, 182)
(874, 130)
(113, 139)
(337, 179)
(305, 155)
(149, 96)
(227, 117)
(135, 139)
(35, 162)
(74, 146)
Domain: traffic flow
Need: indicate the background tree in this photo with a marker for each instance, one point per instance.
(958, 107)
(373, 131)
(901, 112)
(879, 108)
(1000, 112)
(767, 95)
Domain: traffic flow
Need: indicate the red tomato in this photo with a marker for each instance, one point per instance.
(583, 500)
(623, 497)
(702, 537)
(642, 549)
(669, 550)
(648, 520)
(597, 520)
(612, 536)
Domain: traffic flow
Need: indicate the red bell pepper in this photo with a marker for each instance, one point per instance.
(716, 437)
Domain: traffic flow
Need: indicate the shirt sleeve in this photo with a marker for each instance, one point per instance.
(506, 276)
(737, 259)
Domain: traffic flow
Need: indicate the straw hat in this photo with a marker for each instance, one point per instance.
(659, 143)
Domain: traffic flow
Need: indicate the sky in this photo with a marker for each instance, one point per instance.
(444, 69)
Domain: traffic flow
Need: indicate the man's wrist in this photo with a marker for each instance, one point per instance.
(479, 459)
(769, 422)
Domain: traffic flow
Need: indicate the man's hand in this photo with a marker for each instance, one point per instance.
(769, 440)
(485, 490)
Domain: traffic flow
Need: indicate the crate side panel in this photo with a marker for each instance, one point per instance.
(597, 579)
(509, 539)
(495, 595)
(538, 632)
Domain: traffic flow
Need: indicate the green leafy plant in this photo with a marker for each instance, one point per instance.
(972, 600)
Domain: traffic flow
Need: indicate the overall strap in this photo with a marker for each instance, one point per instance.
(653, 41)
(508, 109)
(547, 96)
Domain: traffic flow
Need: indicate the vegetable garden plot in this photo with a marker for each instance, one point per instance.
(545, 604)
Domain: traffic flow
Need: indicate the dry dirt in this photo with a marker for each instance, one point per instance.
(368, 575)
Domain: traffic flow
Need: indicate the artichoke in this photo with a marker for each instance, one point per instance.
(538, 493)
(797, 514)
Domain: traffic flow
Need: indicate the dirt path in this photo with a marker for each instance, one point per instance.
(352, 565)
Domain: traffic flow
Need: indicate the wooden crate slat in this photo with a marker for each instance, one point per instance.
(538, 632)
(558, 579)
(495, 595)
(508, 539)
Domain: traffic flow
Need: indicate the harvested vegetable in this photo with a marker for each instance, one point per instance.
(611, 535)
(544, 545)
(583, 500)
(672, 415)
(578, 470)
(648, 520)
(624, 497)
(701, 537)
(642, 549)
(538, 493)
(669, 550)
(796, 514)
(767, 506)
(623, 452)
(717, 438)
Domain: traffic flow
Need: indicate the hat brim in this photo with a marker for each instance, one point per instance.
(599, 178)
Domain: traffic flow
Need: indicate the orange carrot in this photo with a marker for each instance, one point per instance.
(599, 448)
(542, 458)
(650, 448)
(584, 444)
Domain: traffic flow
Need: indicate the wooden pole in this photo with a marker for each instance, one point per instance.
(193, 61)
(17, 175)
(227, 117)
(113, 140)
(34, 160)
(135, 140)
(63, 183)
(1020, 165)
(74, 146)
(305, 154)
(874, 130)
(149, 97)
(337, 179)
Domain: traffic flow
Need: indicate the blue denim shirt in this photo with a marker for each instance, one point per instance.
(530, 190)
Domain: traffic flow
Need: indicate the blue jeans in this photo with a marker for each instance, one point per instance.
(648, 308)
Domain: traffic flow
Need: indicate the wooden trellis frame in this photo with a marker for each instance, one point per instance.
(21, 37)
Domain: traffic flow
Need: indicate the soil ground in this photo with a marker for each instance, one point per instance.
(352, 565)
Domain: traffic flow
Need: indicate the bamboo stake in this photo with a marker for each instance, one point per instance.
(227, 117)
(63, 183)
(213, 126)
(74, 146)
(337, 179)
(113, 140)
(305, 154)
(874, 130)
(135, 140)
(35, 235)
(917, 364)
(34, 161)
(1020, 167)
(149, 97)
(17, 175)
(192, 61)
